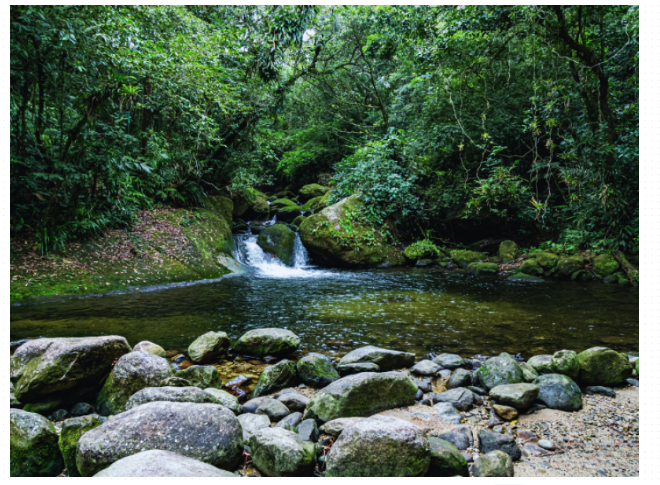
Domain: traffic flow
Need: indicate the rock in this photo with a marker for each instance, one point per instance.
(201, 376)
(208, 347)
(529, 373)
(336, 426)
(425, 368)
(505, 412)
(285, 425)
(422, 250)
(508, 251)
(559, 392)
(294, 401)
(530, 267)
(565, 362)
(493, 422)
(605, 265)
(477, 390)
(132, 372)
(600, 366)
(293, 419)
(542, 364)
(460, 378)
(446, 460)
(526, 436)
(169, 394)
(567, 265)
(150, 348)
(461, 438)
(72, 430)
(13, 402)
(349, 369)
(252, 405)
(224, 398)
(33, 450)
(483, 268)
(493, 464)
(45, 407)
(423, 385)
(632, 382)
(311, 191)
(547, 445)
(297, 221)
(42, 367)
(251, 423)
(174, 382)
(496, 371)
(447, 412)
(161, 464)
(385, 359)
(524, 277)
(272, 408)
(362, 395)
(449, 361)
(547, 261)
(81, 409)
(519, 396)
(380, 446)
(278, 239)
(276, 377)
(206, 432)
(277, 452)
(460, 398)
(464, 258)
(603, 391)
(315, 370)
(59, 415)
(308, 430)
(324, 235)
(277, 342)
(489, 441)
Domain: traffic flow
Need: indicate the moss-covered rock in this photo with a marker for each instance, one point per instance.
(542, 364)
(446, 460)
(559, 392)
(279, 240)
(72, 431)
(423, 249)
(483, 268)
(338, 236)
(276, 342)
(508, 250)
(149, 348)
(567, 265)
(529, 267)
(208, 347)
(565, 362)
(201, 376)
(311, 204)
(529, 373)
(493, 464)
(527, 278)
(311, 191)
(298, 220)
(277, 452)
(547, 261)
(223, 397)
(600, 366)
(464, 258)
(385, 359)
(637, 367)
(496, 371)
(33, 450)
(315, 370)
(289, 214)
(282, 203)
(605, 264)
(275, 378)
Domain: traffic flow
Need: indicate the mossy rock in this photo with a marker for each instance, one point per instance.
(559, 392)
(33, 450)
(422, 250)
(545, 260)
(529, 267)
(600, 366)
(508, 250)
(542, 364)
(605, 265)
(201, 376)
(276, 342)
(528, 278)
(275, 378)
(315, 370)
(567, 265)
(446, 460)
(279, 240)
(565, 362)
(289, 213)
(311, 204)
(298, 220)
(208, 347)
(278, 452)
(503, 369)
(311, 191)
(483, 268)
(464, 258)
(72, 431)
(282, 203)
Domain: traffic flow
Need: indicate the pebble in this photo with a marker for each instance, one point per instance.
(547, 444)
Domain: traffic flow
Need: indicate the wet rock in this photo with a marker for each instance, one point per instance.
(385, 359)
(81, 409)
(132, 372)
(567, 265)
(496, 371)
(565, 362)
(33, 450)
(460, 378)
(294, 401)
(252, 405)
(477, 390)
(542, 364)
(206, 432)
(505, 412)
(493, 464)
(559, 392)
(170, 394)
(59, 415)
(489, 441)
(529, 373)
(72, 430)
(150, 348)
(272, 408)
(277, 342)
(632, 382)
(526, 278)
(42, 367)
(517, 395)
(278, 239)
(336, 426)
(461, 438)
(315, 370)
(362, 395)
(600, 366)
(275, 378)
(293, 419)
(251, 423)
(208, 347)
(599, 390)
(425, 368)
(380, 446)
(202, 376)
(308, 430)
(423, 385)
(449, 361)
(447, 412)
(446, 460)
(161, 464)
(483, 268)
(350, 369)
(224, 398)
(460, 398)
(277, 452)
(547, 445)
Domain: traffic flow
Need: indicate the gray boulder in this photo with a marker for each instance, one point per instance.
(206, 432)
(542, 364)
(519, 396)
(461, 438)
(493, 464)
(447, 412)
(252, 405)
(72, 430)
(315, 370)
(132, 372)
(460, 378)
(251, 423)
(202, 376)
(380, 446)
(460, 398)
(161, 464)
(150, 348)
(274, 409)
(425, 368)
(33, 449)
(169, 394)
(277, 452)
(350, 369)
(261, 342)
(496, 371)
(224, 398)
(42, 367)
(294, 401)
(275, 378)
(336, 426)
(385, 359)
(362, 394)
(529, 374)
(446, 460)
(293, 419)
(308, 430)
(600, 390)
(208, 347)
(559, 392)
(489, 441)
(449, 361)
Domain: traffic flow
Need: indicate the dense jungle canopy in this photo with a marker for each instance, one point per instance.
(451, 122)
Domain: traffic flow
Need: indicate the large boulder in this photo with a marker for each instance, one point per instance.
(310, 191)
(565, 362)
(567, 265)
(261, 342)
(446, 460)
(202, 376)
(315, 370)
(519, 396)
(150, 348)
(600, 366)
(605, 265)
(279, 240)
(161, 464)
(72, 430)
(132, 372)
(251, 423)
(489, 441)
(223, 397)
(169, 394)
(508, 251)
(559, 392)
(496, 371)
(542, 364)
(362, 395)
(45, 366)
(493, 464)
(277, 452)
(33, 450)
(326, 235)
(380, 446)
(293, 400)
(275, 378)
(464, 258)
(208, 347)
(385, 359)
(206, 432)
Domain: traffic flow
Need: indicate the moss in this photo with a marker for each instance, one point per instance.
(464, 258)
(423, 249)
(568, 265)
(278, 239)
(483, 268)
(529, 267)
(508, 250)
(546, 261)
(298, 220)
(282, 203)
(72, 431)
(312, 190)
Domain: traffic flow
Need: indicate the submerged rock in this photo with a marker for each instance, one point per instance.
(169, 394)
(315, 370)
(559, 392)
(150, 348)
(279, 240)
(261, 342)
(446, 460)
(385, 359)
(493, 464)
(33, 449)
(208, 347)
(202, 376)
(161, 464)
(525, 278)
(276, 377)
(72, 430)
(496, 371)
(277, 452)
(600, 366)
